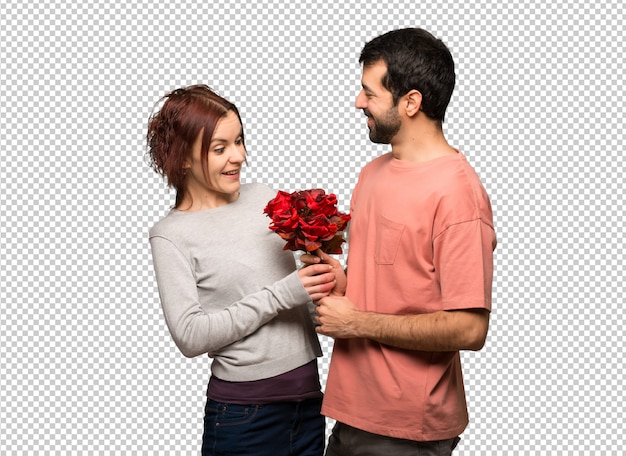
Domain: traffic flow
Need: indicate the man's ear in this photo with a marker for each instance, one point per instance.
(412, 102)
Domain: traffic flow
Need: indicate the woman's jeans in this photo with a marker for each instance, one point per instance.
(276, 429)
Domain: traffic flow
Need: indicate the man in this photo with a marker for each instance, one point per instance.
(420, 265)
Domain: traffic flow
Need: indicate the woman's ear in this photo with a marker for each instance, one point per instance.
(186, 166)
(413, 102)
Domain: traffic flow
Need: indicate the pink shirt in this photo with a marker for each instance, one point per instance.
(421, 239)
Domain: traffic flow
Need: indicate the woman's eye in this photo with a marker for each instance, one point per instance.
(219, 150)
(239, 142)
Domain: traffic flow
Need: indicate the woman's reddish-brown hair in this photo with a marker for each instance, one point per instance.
(174, 128)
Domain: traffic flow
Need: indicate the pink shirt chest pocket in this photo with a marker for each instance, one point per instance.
(388, 236)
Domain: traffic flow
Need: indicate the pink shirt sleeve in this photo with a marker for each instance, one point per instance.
(464, 264)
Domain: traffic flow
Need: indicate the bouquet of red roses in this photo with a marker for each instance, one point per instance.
(308, 220)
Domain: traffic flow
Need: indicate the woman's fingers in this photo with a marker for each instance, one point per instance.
(318, 280)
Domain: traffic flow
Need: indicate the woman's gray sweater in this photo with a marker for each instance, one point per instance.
(228, 289)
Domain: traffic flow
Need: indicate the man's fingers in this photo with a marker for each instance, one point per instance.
(309, 259)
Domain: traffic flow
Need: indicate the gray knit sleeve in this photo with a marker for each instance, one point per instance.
(197, 332)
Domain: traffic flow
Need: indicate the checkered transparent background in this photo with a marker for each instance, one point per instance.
(87, 365)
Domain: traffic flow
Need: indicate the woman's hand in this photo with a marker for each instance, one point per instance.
(341, 281)
(318, 280)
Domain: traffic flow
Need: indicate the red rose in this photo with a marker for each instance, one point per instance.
(280, 204)
(308, 220)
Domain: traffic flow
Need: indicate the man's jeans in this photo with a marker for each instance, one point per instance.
(348, 441)
(277, 429)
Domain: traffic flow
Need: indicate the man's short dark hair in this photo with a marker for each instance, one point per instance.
(415, 60)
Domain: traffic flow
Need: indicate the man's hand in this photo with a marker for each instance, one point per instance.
(337, 317)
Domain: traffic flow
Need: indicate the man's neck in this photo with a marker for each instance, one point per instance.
(421, 144)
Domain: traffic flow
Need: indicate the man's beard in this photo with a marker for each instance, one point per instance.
(385, 127)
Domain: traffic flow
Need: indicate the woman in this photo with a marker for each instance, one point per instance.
(229, 290)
